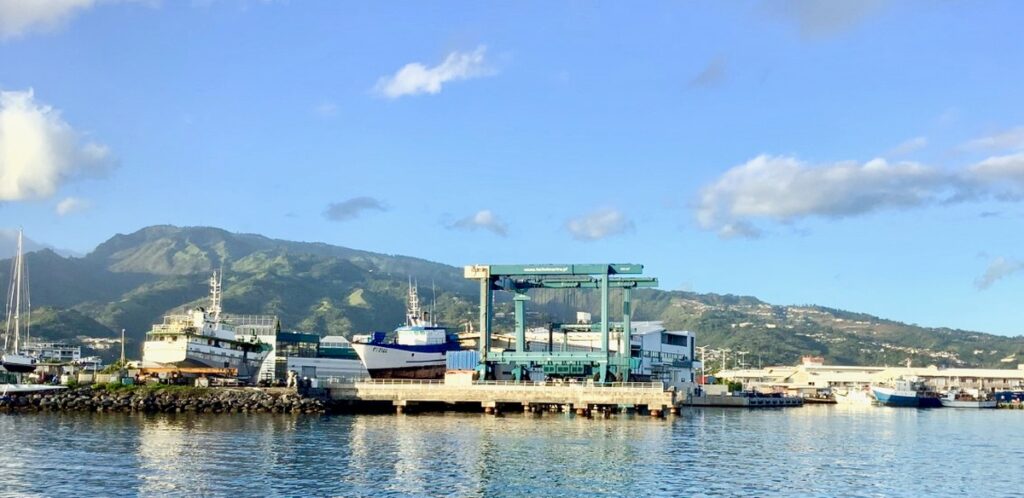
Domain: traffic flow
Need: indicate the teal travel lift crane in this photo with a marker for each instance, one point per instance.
(518, 279)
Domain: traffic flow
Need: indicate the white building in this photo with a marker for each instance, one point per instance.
(53, 352)
(814, 376)
(309, 356)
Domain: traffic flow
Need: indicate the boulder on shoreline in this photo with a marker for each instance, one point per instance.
(163, 399)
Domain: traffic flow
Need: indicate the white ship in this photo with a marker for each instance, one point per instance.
(418, 349)
(13, 358)
(853, 396)
(964, 399)
(201, 338)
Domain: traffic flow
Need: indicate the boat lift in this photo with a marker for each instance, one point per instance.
(518, 279)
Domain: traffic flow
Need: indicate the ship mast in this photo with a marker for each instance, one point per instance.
(17, 296)
(413, 316)
(215, 296)
(14, 301)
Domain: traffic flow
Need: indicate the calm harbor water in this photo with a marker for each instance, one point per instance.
(810, 451)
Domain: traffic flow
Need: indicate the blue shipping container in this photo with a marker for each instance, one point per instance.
(462, 360)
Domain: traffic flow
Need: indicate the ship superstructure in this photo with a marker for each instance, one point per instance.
(204, 337)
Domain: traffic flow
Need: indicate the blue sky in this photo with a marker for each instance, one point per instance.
(861, 155)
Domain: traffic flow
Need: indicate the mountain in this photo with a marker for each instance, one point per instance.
(9, 244)
(131, 280)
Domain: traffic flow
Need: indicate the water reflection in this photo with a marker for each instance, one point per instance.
(815, 450)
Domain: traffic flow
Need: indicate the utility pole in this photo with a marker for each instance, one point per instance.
(725, 354)
(703, 366)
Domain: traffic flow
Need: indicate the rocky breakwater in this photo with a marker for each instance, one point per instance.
(164, 400)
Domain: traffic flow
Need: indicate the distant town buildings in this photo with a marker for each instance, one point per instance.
(813, 375)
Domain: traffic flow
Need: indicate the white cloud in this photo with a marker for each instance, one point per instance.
(999, 176)
(998, 269)
(20, 17)
(599, 224)
(910, 145)
(484, 219)
(784, 189)
(71, 205)
(39, 151)
(415, 78)
(1008, 139)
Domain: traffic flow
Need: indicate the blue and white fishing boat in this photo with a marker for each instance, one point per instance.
(906, 392)
(417, 350)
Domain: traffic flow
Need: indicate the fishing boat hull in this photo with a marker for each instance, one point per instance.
(890, 397)
(957, 403)
(193, 351)
(390, 361)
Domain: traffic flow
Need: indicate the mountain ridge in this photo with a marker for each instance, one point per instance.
(130, 280)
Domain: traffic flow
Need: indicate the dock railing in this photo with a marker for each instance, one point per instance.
(640, 386)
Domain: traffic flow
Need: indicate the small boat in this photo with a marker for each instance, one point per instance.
(820, 399)
(418, 349)
(13, 359)
(962, 399)
(906, 392)
(853, 396)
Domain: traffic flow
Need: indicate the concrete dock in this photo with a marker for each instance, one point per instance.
(742, 401)
(493, 396)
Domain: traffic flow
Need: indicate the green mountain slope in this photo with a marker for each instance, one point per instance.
(131, 280)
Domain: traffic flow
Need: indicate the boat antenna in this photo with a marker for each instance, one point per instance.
(433, 304)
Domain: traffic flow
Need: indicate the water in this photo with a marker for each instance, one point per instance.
(809, 451)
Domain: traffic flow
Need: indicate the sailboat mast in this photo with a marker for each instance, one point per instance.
(17, 295)
(10, 305)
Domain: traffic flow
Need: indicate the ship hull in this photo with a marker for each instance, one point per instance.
(854, 397)
(422, 372)
(385, 361)
(955, 403)
(191, 355)
(891, 397)
(16, 363)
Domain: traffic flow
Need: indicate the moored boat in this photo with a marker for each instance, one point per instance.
(853, 396)
(962, 399)
(12, 358)
(906, 392)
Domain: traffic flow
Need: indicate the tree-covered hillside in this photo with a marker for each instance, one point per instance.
(131, 280)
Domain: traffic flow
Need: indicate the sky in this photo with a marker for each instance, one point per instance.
(861, 155)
